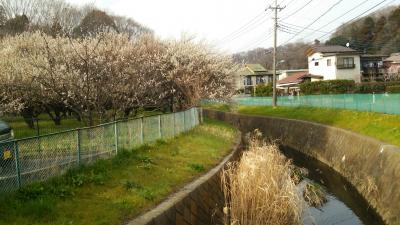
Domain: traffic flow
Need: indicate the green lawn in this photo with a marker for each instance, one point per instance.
(46, 125)
(383, 127)
(116, 190)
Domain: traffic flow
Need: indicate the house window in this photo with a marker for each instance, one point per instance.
(329, 62)
(260, 80)
(247, 81)
(346, 63)
(316, 64)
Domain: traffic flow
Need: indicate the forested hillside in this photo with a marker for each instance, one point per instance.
(376, 33)
(59, 18)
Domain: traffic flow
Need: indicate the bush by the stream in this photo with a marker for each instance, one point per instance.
(393, 89)
(263, 90)
(347, 87)
(327, 87)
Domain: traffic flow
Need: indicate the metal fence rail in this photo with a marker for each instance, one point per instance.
(38, 158)
(382, 103)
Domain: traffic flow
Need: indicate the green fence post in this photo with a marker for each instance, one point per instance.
(116, 136)
(159, 126)
(184, 121)
(174, 114)
(201, 115)
(141, 131)
(17, 165)
(78, 145)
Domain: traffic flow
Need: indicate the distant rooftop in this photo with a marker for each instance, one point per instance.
(329, 49)
(395, 57)
(256, 68)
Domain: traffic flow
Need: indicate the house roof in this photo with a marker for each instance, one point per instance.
(256, 68)
(253, 69)
(294, 78)
(394, 58)
(329, 49)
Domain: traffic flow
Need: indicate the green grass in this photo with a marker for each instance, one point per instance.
(116, 190)
(47, 126)
(218, 106)
(383, 127)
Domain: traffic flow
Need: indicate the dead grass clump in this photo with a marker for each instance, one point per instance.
(314, 195)
(298, 174)
(259, 189)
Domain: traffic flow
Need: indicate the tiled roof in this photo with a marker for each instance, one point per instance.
(256, 68)
(329, 49)
(395, 57)
(294, 78)
(253, 69)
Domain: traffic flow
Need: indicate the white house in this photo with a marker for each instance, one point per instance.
(334, 62)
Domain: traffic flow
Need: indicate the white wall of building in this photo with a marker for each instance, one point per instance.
(331, 72)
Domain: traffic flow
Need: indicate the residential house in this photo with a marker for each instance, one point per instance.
(372, 68)
(392, 65)
(252, 75)
(334, 62)
(290, 84)
(287, 73)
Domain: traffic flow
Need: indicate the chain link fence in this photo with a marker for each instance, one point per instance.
(382, 103)
(28, 160)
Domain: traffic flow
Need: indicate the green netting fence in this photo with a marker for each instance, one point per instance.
(382, 103)
(39, 158)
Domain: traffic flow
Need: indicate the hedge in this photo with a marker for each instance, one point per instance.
(393, 89)
(263, 90)
(347, 87)
(327, 87)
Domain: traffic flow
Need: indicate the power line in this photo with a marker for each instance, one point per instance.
(309, 25)
(257, 42)
(249, 26)
(333, 30)
(297, 27)
(334, 20)
(246, 30)
(242, 27)
(298, 10)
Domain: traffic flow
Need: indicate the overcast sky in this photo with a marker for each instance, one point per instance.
(215, 20)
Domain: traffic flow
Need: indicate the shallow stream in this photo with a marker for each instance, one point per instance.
(345, 206)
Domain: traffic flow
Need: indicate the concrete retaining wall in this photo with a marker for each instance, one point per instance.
(371, 166)
(199, 203)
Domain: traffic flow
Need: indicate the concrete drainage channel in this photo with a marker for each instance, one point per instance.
(200, 202)
(372, 167)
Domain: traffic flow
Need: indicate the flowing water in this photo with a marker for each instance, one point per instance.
(345, 205)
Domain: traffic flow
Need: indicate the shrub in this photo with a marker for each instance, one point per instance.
(373, 87)
(315, 195)
(393, 89)
(327, 87)
(197, 167)
(263, 90)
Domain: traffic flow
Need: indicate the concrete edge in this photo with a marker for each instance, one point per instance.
(170, 202)
(342, 130)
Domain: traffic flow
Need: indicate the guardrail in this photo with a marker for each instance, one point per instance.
(33, 159)
(382, 103)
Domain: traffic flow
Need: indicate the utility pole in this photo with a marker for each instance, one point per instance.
(276, 7)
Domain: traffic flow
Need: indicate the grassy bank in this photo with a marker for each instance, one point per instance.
(383, 127)
(116, 190)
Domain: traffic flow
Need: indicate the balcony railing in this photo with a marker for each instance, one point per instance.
(346, 66)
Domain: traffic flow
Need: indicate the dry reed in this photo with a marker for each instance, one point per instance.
(259, 190)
